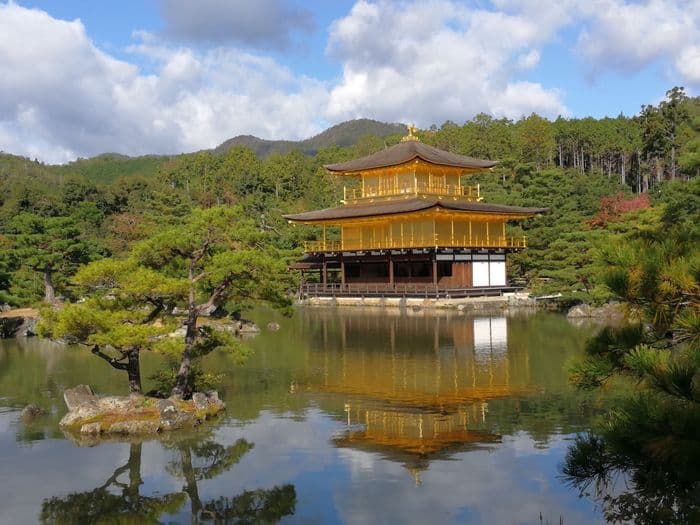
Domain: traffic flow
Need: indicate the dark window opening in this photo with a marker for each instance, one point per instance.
(375, 270)
(445, 269)
(401, 269)
(420, 269)
(352, 270)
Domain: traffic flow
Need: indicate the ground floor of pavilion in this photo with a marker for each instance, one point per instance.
(407, 273)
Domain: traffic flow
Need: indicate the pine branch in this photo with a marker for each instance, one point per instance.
(111, 360)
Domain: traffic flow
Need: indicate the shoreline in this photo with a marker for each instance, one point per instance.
(503, 302)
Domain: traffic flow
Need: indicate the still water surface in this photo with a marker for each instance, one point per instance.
(341, 416)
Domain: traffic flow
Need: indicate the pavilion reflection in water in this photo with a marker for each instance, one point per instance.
(417, 388)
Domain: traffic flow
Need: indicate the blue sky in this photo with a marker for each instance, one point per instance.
(165, 76)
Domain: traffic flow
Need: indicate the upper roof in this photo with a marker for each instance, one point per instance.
(353, 211)
(406, 151)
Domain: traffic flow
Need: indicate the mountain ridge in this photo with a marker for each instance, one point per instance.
(108, 166)
(344, 134)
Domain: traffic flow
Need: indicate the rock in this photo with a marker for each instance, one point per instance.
(31, 412)
(200, 400)
(75, 397)
(27, 328)
(17, 325)
(172, 419)
(83, 412)
(609, 313)
(115, 403)
(91, 429)
(166, 405)
(10, 326)
(178, 332)
(134, 427)
(249, 327)
(91, 416)
(273, 327)
(579, 311)
(213, 398)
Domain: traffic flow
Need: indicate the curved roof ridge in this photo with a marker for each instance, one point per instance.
(406, 151)
(392, 207)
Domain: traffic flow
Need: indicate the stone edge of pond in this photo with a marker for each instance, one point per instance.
(92, 416)
(429, 303)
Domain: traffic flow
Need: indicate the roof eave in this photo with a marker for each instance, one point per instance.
(337, 171)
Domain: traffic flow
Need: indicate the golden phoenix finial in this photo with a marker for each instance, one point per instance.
(411, 130)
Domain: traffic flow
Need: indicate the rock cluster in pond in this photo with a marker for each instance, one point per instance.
(238, 328)
(18, 323)
(610, 312)
(31, 412)
(89, 414)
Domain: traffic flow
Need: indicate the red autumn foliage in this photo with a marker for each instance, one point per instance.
(612, 208)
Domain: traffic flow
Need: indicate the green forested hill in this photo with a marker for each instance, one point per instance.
(344, 134)
(108, 167)
(597, 176)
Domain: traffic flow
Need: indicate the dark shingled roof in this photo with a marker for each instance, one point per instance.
(353, 211)
(407, 151)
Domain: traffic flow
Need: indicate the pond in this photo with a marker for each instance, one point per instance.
(342, 416)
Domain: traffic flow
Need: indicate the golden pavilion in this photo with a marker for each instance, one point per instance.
(409, 227)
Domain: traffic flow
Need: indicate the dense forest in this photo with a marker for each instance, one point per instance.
(601, 178)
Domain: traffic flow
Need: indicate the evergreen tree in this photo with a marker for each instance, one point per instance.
(51, 246)
(654, 436)
(216, 257)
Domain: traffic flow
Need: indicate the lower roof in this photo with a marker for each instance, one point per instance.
(356, 211)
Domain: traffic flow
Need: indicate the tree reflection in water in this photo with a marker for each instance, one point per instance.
(119, 500)
(643, 466)
(114, 499)
(632, 489)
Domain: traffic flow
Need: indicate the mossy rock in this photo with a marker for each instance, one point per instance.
(134, 415)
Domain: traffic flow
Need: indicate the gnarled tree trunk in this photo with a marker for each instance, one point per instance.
(182, 388)
(49, 290)
(133, 370)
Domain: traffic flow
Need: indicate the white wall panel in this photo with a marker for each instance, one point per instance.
(497, 273)
(480, 275)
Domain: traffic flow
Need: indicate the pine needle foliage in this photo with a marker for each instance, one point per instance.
(642, 462)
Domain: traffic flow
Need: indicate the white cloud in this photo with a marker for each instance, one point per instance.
(432, 61)
(61, 97)
(269, 24)
(419, 61)
(628, 36)
(529, 60)
(688, 64)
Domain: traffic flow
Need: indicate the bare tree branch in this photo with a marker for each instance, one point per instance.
(218, 291)
(159, 307)
(111, 360)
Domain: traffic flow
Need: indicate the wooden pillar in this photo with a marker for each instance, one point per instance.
(435, 276)
(342, 270)
(435, 235)
(324, 272)
(391, 270)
